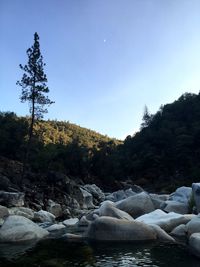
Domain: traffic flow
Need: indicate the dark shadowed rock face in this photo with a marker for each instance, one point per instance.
(3, 212)
(196, 193)
(11, 199)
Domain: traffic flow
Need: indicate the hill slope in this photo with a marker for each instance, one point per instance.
(165, 153)
(167, 148)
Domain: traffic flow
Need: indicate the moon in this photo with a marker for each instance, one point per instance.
(104, 40)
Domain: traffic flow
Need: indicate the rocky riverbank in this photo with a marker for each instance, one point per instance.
(131, 215)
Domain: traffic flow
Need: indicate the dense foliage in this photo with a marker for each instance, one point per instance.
(56, 146)
(167, 148)
(165, 153)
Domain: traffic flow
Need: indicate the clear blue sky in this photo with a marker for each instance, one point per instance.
(106, 59)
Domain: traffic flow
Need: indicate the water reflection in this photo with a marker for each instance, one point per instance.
(56, 253)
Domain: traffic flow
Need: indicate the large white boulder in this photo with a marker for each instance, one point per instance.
(18, 229)
(112, 229)
(167, 221)
(196, 194)
(136, 205)
(194, 244)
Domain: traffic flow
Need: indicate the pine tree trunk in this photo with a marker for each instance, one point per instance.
(27, 150)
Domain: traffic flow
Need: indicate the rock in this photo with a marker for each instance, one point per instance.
(120, 195)
(175, 206)
(194, 244)
(167, 221)
(129, 192)
(162, 236)
(4, 182)
(179, 231)
(11, 199)
(95, 191)
(3, 212)
(136, 205)
(73, 204)
(22, 211)
(87, 199)
(18, 229)
(83, 222)
(182, 195)
(136, 188)
(54, 208)
(112, 229)
(158, 200)
(196, 194)
(55, 227)
(70, 222)
(44, 216)
(108, 209)
(66, 214)
(193, 226)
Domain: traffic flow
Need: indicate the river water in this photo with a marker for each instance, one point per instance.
(58, 253)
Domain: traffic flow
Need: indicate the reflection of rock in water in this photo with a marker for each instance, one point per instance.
(13, 251)
(57, 253)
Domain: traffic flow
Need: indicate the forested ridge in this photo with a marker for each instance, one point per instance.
(165, 153)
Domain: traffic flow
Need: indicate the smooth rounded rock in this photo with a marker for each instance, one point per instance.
(193, 226)
(179, 231)
(19, 229)
(112, 229)
(136, 205)
(194, 244)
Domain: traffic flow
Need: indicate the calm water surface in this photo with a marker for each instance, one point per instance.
(58, 253)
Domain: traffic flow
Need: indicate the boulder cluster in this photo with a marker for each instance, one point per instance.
(130, 215)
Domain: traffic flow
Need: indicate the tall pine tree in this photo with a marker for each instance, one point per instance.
(34, 88)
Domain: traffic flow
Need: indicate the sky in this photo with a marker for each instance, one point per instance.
(105, 59)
